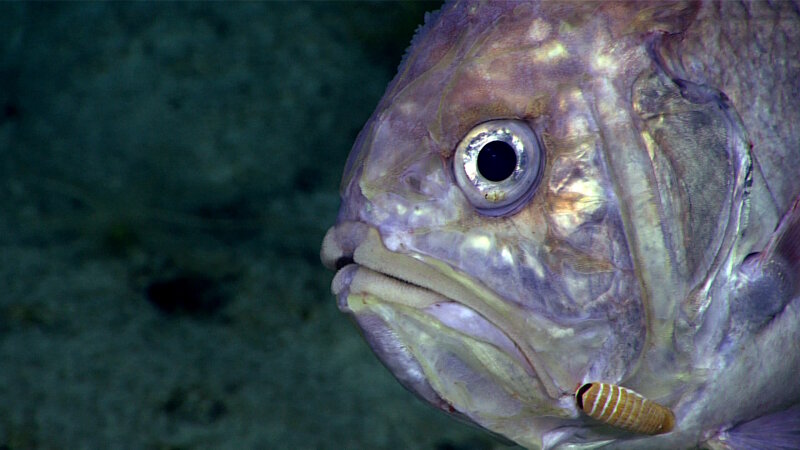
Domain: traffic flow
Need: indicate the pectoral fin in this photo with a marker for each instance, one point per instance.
(767, 281)
(778, 431)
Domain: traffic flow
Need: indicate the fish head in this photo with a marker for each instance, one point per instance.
(497, 243)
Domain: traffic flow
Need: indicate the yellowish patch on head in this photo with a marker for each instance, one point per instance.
(539, 30)
(650, 144)
(480, 243)
(550, 52)
(602, 63)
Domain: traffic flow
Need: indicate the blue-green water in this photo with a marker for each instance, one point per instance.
(168, 172)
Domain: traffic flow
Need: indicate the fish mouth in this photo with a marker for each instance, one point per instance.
(366, 271)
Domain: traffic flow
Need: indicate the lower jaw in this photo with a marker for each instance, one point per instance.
(439, 348)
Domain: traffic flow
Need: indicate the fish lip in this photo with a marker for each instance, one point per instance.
(362, 247)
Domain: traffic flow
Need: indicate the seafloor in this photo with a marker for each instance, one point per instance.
(168, 172)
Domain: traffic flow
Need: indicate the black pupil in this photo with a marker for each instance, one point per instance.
(497, 160)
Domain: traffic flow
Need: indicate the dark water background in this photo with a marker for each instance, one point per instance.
(167, 172)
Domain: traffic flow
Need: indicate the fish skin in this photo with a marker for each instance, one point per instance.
(667, 131)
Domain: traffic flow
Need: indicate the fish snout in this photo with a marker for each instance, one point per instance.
(340, 243)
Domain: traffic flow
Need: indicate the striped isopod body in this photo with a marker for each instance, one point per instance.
(623, 408)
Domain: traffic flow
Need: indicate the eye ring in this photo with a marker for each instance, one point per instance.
(498, 165)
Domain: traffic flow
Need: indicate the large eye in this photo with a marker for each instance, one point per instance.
(497, 166)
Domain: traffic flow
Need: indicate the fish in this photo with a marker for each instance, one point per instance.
(557, 197)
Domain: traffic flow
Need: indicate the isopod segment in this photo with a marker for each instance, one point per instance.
(623, 408)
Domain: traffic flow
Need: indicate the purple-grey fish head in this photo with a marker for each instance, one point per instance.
(523, 210)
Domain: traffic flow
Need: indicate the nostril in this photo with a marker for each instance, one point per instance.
(343, 261)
